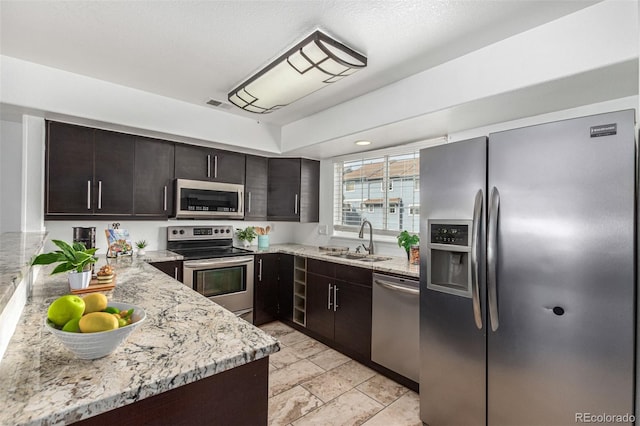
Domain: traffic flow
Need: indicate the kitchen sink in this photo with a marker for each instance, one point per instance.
(360, 257)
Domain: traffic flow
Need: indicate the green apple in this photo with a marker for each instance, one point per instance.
(64, 309)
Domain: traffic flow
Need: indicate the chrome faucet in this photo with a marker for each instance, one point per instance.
(361, 235)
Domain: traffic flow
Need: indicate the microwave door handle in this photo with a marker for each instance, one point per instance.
(240, 199)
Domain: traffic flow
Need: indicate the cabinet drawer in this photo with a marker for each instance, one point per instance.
(320, 267)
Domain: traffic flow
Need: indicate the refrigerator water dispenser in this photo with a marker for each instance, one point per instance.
(449, 268)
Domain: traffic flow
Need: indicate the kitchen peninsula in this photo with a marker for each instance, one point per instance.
(191, 359)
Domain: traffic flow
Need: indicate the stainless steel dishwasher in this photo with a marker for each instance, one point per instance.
(395, 336)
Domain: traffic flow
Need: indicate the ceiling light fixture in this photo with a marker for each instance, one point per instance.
(312, 64)
(363, 143)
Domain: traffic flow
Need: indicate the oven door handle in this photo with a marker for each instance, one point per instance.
(216, 263)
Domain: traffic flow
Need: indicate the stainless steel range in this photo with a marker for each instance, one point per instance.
(213, 267)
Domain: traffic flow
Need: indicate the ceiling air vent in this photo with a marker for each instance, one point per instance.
(218, 104)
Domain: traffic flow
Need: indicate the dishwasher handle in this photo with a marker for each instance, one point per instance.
(391, 286)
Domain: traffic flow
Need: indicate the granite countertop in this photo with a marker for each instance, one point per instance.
(186, 337)
(16, 251)
(395, 265)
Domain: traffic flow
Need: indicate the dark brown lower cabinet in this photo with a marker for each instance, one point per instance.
(173, 268)
(233, 397)
(339, 306)
(265, 291)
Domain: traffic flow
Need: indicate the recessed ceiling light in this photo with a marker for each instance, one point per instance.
(363, 143)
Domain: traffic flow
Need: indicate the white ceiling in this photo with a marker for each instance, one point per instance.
(199, 50)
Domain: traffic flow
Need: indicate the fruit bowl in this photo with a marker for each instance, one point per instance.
(98, 345)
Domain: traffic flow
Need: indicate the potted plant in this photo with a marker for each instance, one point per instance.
(406, 240)
(141, 244)
(246, 235)
(75, 259)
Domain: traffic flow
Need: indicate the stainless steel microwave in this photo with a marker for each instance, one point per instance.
(196, 199)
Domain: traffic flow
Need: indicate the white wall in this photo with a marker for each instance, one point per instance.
(33, 149)
(308, 233)
(155, 232)
(10, 176)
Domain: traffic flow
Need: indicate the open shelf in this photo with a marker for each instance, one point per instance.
(300, 290)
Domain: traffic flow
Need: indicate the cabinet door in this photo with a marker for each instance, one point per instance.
(319, 312)
(353, 317)
(69, 169)
(153, 193)
(283, 199)
(173, 268)
(192, 162)
(113, 186)
(265, 307)
(285, 286)
(256, 177)
(227, 166)
(309, 204)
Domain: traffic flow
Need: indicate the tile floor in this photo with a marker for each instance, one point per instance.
(312, 384)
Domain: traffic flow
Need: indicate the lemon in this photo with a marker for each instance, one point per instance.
(65, 308)
(72, 326)
(98, 321)
(94, 302)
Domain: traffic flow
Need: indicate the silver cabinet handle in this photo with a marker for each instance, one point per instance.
(175, 273)
(249, 202)
(492, 257)
(329, 298)
(335, 298)
(208, 165)
(88, 195)
(260, 270)
(394, 287)
(475, 243)
(295, 205)
(99, 194)
(165, 198)
(215, 166)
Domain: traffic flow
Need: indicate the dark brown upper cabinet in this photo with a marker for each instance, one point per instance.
(88, 172)
(201, 163)
(293, 190)
(255, 188)
(153, 178)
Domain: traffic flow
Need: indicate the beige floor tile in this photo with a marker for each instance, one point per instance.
(383, 390)
(350, 409)
(329, 359)
(272, 367)
(292, 338)
(341, 379)
(308, 347)
(291, 405)
(284, 357)
(276, 328)
(287, 377)
(405, 411)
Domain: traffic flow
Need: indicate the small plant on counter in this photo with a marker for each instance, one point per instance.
(247, 234)
(141, 244)
(406, 240)
(74, 257)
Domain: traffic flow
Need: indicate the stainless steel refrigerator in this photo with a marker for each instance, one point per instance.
(527, 289)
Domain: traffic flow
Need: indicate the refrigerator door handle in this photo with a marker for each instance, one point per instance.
(492, 258)
(475, 242)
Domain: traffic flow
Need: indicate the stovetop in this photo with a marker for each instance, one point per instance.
(202, 242)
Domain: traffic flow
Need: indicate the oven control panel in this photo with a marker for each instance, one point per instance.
(216, 232)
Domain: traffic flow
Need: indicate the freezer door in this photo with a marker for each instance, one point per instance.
(564, 252)
(452, 326)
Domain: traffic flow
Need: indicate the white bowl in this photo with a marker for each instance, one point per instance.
(97, 345)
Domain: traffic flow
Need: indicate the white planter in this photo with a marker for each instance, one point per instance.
(141, 252)
(79, 280)
(246, 244)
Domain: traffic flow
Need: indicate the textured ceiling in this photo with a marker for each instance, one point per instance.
(198, 50)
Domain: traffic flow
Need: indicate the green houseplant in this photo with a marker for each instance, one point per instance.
(406, 240)
(246, 235)
(74, 258)
(141, 244)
